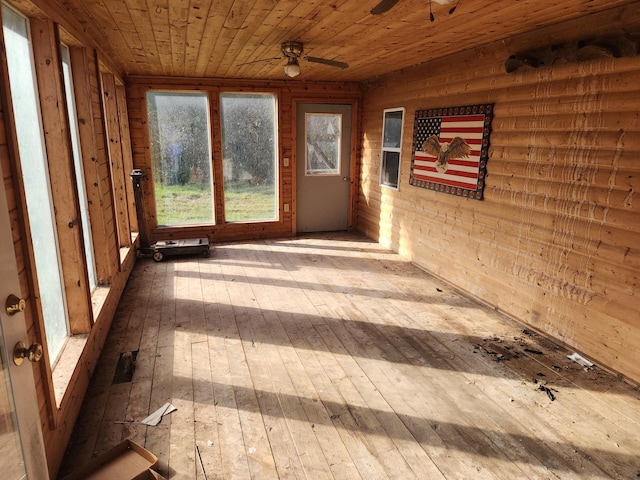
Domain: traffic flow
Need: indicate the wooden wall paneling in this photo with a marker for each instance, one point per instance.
(91, 159)
(116, 159)
(138, 128)
(216, 155)
(555, 241)
(127, 156)
(104, 164)
(286, 148)
(61, 174)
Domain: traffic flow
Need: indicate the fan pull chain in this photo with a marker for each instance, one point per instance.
(431, 12)
(453, 9)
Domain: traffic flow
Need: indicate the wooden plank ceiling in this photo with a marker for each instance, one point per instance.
(210, 38)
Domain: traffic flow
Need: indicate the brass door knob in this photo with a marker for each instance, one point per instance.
(15, 305)
(32, 353)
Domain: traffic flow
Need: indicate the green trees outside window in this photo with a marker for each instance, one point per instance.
(181, 157)
(249, 146)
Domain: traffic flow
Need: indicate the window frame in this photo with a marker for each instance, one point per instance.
(384, 149)
(212, 172)
(276, 150)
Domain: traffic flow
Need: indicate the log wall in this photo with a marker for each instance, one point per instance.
(556, 241)
(288, 95)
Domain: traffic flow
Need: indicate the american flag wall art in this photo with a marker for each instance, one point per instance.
(450, 149)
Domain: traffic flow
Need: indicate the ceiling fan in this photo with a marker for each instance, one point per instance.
(293, 52)
(386, 5)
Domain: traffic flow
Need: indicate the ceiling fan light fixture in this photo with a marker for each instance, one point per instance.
(292, 68)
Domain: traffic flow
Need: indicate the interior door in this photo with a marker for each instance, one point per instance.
(323, 167)
(21, 446)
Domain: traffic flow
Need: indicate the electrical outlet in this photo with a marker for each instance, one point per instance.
(286, 207)
(285, 161)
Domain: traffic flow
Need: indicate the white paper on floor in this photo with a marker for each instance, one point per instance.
(576, 357)
(155, 418)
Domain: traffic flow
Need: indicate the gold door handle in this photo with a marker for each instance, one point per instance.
(20, 352)
(14, 304)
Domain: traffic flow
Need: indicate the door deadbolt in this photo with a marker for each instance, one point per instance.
(32, 353)
(14, 305)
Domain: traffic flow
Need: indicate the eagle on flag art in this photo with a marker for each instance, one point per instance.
(457, 148)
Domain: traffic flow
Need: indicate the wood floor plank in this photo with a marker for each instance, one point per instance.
(301, 430)
(303, 336)
(327, 356)
(224, 348)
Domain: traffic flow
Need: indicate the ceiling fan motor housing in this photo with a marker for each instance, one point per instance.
(292, 49)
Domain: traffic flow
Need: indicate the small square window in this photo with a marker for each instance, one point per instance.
(391, 147)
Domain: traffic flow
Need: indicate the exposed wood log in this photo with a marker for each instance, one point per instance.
(127, 155)
(61, 174)
(119, 177)
(91, 159)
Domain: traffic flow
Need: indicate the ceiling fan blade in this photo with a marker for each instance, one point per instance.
(383, 6)
(258, 61)
(332, 63)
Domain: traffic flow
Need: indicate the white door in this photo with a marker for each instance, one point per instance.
(323, 159)
(21, 446)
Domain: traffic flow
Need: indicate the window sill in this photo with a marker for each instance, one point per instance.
(66, 365)
(72, 351)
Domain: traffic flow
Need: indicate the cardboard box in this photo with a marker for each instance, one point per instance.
(125, 461)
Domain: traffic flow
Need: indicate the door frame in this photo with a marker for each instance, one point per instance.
(354, 173)
(14, 328)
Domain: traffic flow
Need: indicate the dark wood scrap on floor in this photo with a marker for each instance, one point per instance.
(328, 356)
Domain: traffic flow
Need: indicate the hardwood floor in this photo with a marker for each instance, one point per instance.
(330, 357)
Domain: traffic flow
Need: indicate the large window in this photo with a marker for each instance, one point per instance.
(24, 95)
(249, 157)
(391, 147)
(181, 157)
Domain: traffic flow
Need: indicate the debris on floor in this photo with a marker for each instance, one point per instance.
(543, 388)
(200, 463)
(156, 417)
(576, 357)
(535, 352)
(497, 349)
